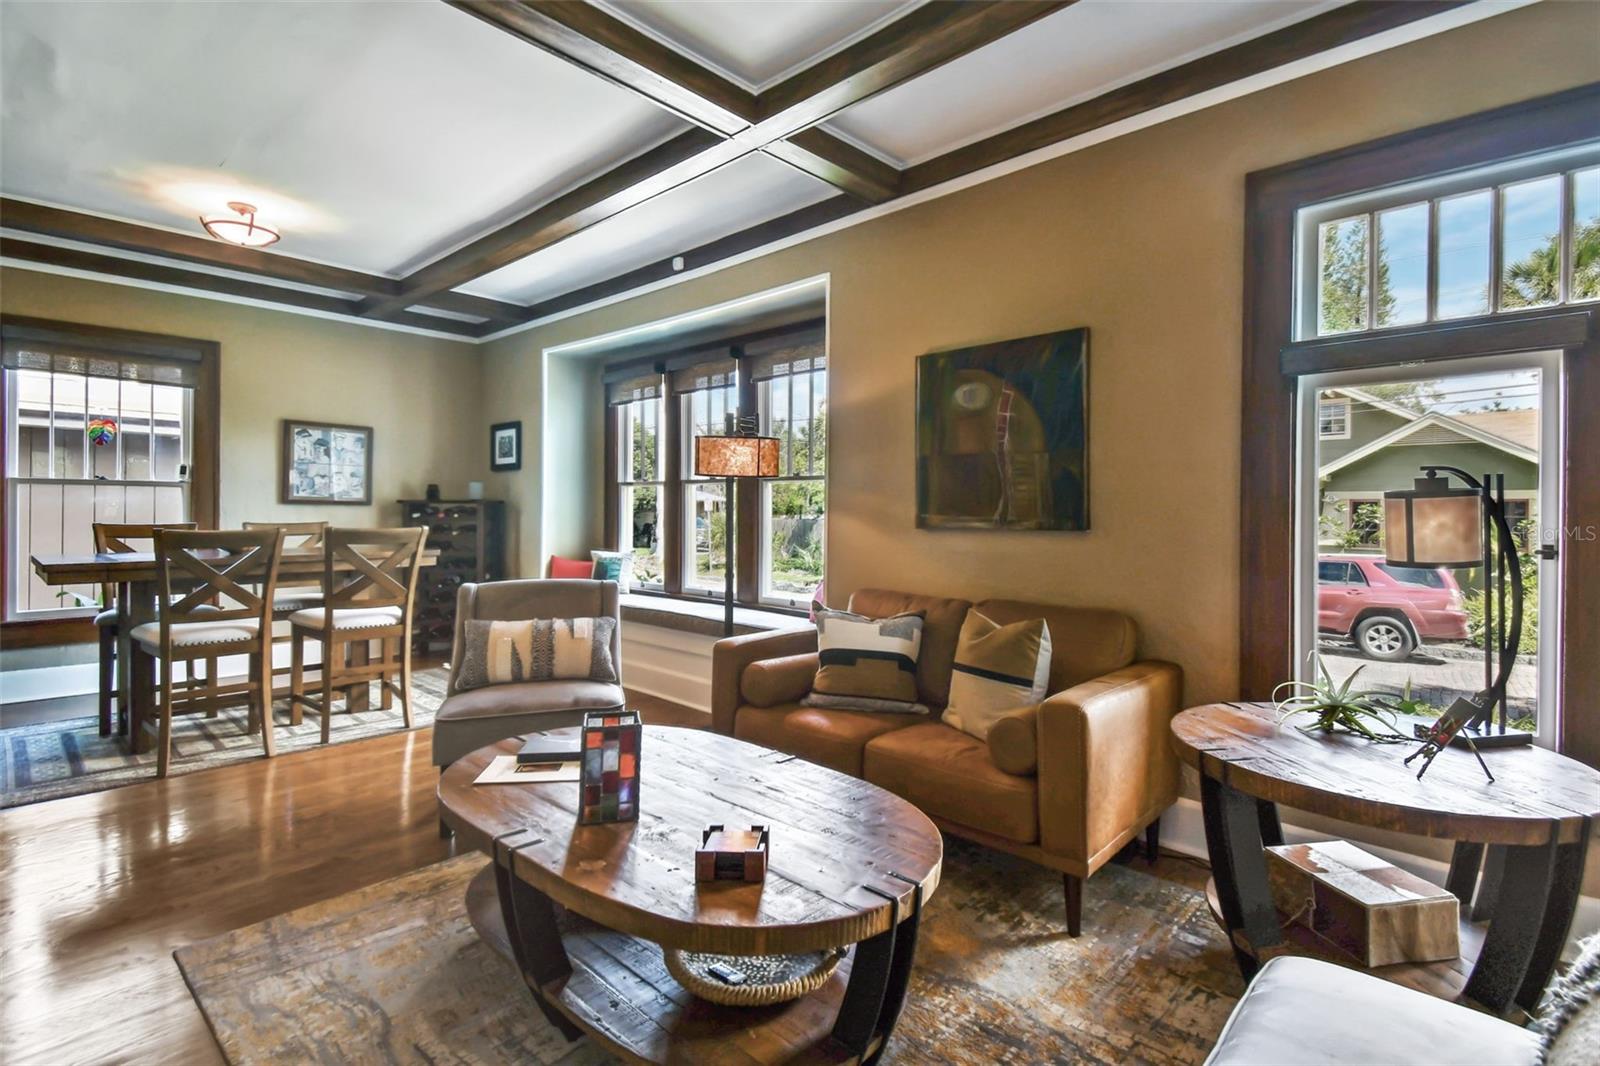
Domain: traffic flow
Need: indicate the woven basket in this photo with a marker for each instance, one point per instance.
(769, 978)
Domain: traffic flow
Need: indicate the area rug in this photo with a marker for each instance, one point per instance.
(394, 973)
(68, 758)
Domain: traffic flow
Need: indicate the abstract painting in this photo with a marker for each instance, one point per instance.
(1003, 435)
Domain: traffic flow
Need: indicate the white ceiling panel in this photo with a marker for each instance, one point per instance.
(375, 135)
(742, 194)
(1073, 55)
(757, 43)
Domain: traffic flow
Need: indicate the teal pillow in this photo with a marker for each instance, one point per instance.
(614, 566)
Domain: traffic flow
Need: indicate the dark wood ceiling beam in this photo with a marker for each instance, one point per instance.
(138, 270)
(910, 46)
(840, 164)
(1341, 26)
(587, 36)
(44, 220)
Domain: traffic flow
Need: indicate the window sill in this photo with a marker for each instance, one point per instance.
(704, 617)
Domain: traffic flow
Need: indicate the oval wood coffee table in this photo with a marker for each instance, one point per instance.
(1520, 841)
(849, 864)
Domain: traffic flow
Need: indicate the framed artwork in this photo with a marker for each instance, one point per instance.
(326, 463)
(505, 446)
(1003, 435)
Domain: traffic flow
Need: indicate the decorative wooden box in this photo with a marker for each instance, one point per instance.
(731, 854)
(1362, 906)
(609, 775)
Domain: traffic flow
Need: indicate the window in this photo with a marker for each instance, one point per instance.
(676, 523)
(93, 434)
(1398, 259)
(794, 403)
(1415, 575)
(1333, 419)
(1366, 523)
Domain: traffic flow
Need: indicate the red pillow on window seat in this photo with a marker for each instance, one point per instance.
(560, 567)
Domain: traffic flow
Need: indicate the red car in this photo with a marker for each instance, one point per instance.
(1387, 610)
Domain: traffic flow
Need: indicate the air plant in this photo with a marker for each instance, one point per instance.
(1338, 708)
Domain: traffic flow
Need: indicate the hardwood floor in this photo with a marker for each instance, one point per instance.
(97, 891)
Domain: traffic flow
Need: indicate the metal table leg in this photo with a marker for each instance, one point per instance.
(879, 975)
(1515, 928)
(1234, 823)
(530, 919)
(1565, 886)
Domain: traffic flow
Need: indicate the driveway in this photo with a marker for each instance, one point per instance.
(1434, 679)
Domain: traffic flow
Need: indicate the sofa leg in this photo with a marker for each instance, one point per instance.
(1074, 887)
(1152, 841)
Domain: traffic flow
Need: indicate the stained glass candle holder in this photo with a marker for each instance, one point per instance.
(610, 778)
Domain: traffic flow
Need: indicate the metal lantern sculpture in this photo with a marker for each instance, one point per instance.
(609, 783)
(1434, 524)
(741, 452)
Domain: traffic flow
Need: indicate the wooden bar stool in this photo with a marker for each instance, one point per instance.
(371, 580)
(118, 537)
(211, 565)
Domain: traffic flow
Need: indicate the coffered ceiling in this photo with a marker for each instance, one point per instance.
(468, 166)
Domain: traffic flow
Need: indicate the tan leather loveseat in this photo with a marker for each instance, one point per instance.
(1066, 783)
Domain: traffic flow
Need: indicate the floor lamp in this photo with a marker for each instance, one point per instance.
(1434, 524)
(741, 454)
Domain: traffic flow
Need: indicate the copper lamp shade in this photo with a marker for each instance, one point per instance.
(736, 456)
(1433, 525)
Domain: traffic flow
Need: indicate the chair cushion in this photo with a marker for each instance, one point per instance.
(948, 774)
(941, 626)
(530, 696)
(1085, 642)
(786, 679)
(346, 618)
(831, 738)
(1284, 1016)
(106, 618)
(194, 634)
(287, 601)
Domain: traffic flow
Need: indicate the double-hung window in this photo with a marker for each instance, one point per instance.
(638, 402)
(792, 390)
(707, 395)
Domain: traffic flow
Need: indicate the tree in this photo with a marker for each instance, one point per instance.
(1535, 279)
(1343, 269)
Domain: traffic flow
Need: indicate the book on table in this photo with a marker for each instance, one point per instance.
(549, 747)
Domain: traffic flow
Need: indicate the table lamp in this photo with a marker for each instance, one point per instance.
(741, 453)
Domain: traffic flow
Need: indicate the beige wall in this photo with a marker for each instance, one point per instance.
(420, 394)
(1141, 240)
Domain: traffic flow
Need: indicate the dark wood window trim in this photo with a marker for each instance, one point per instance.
(1273, 362)
(747, 500)
(205, 493)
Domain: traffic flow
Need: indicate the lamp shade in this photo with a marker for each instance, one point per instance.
(1433, 525)
(736, 456)
(240, 228)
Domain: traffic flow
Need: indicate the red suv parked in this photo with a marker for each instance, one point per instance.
(1387, 610)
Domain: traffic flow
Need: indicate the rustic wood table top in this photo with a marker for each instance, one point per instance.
(837, 844)
(1537, 795)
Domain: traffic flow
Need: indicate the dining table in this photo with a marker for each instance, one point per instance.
(137, 576)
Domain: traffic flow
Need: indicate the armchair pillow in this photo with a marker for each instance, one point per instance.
(867, 664)
(998, 669)
(500, 653)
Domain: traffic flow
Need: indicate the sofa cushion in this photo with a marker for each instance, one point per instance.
(870, 659)
(1284, 1016)
(948, 774)
(941, 627)
(998, 668)
(830, 738)
(1569, 1022)
(786, 679)
(535, 696)
(578, 568)
(1085, 642)
(1014, 741)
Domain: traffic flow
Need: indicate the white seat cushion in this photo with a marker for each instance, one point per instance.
(194, 634)
(106, 618)
(348, 617)
(288, 601)
(1285, 1017)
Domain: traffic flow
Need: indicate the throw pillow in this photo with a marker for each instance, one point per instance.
(569, 568)
(867, 664)
(997, 670)
(614, 566)
(541, 649)
(1569, 1022)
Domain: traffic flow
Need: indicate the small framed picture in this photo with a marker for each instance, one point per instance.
(505, 446)
(326, 463)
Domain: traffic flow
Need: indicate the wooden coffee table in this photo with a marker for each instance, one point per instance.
(584, 910)
(1520, 841)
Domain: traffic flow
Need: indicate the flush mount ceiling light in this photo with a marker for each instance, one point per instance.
(239, 228)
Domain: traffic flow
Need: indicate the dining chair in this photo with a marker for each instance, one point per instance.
(225, 583)
(370, 578)
(118, 537)
(298, 537)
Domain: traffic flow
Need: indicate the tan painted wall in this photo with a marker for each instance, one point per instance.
(420, 394)
(1141, 240)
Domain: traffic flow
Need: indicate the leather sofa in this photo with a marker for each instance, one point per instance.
(1066, 783)
(468, 720)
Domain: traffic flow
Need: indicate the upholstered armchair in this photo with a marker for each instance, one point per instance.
(467, 720)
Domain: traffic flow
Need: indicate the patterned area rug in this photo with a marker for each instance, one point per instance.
(56, 759)
(394, 973)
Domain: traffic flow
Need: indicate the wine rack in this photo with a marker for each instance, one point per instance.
(470, 537)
